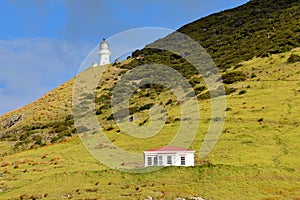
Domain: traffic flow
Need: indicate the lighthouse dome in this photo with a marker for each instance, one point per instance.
(104, 44)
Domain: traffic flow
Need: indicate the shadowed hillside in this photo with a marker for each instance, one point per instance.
(256, 29)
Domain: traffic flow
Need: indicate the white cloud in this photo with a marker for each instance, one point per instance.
(32, 67)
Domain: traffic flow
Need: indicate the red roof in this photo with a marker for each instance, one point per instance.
(170, 148)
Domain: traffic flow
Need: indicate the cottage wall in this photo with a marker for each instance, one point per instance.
(161, 158)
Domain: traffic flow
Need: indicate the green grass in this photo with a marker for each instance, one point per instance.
(256, 157)
(69, 169)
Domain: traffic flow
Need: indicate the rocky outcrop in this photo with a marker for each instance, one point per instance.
(9, 122)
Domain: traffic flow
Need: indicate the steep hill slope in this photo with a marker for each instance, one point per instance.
(255, 158)
(258, 28)
(42, 116)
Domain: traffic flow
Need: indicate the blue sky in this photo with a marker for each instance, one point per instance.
(43, 42)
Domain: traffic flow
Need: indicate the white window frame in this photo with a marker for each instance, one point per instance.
(160, 160)
(169, 160)
(182, 160)
(149, 161)
(155, 161)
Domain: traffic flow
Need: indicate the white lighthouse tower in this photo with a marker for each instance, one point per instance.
(104, 53)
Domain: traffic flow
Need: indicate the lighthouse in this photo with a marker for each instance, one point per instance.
(104, 53)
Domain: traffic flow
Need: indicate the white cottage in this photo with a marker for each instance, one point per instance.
(169, 156)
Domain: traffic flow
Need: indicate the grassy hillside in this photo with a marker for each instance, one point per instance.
(41, 121)
(255, 158)
(258, 28)
(230, 37)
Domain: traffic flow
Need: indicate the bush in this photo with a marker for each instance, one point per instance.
(60, 128)
(69, 117)
(293, 58)
(82, 129)
(229, 90)
(23, 137)
(67, 133)
(98, 112)
(242, 92)
(143, 122)
(54, 139)
(228, 109)
(38, 140)
(204, 96)
(170, 101)
(121, 114)
(194, 81)
(232, 77)
(144, 107)
(109, 128)
(199, 89)
(238, 66)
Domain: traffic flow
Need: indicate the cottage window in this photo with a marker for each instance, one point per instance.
(169, 160)
(155, 161)
(160, 161)
(182, 160)
(149, 161)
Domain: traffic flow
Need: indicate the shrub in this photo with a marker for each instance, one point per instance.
(253, 75)
(237, 66)
(109, 128)
(242, 92)
(60, 128)
(232, 77)
(23, 137)
(67, 133)
(199, 89)
(170, 101)
(229, 90)
(54, 139)
(194, 81)
(204, 96)
(144, 107)
(293, 58)
(69, 117)
(99, 112)
(82, 129)
(177, 119)
(38, 140)
(143, 122)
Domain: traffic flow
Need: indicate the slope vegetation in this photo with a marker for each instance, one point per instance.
(255, 158)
